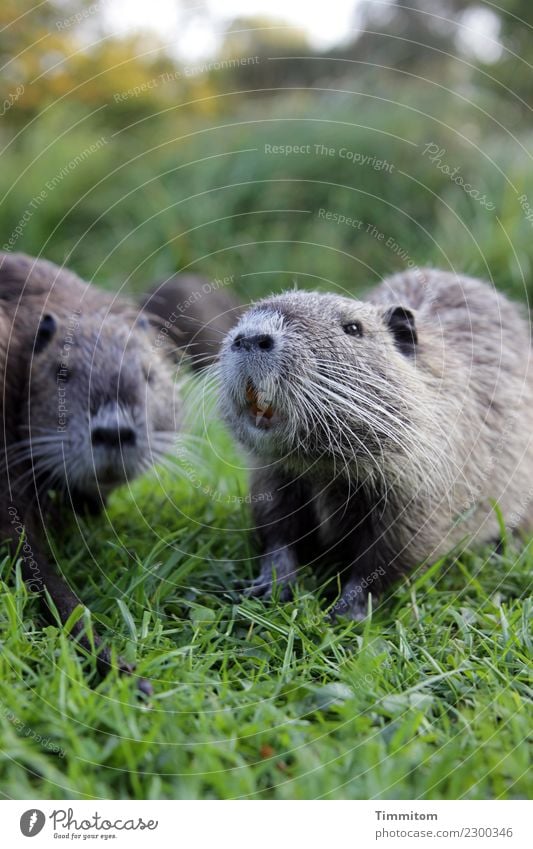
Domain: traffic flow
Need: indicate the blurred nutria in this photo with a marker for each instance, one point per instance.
(196, 313)
(383, 431)
(89, 402)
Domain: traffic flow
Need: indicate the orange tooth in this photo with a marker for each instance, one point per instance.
(253, 400)
(251, 394)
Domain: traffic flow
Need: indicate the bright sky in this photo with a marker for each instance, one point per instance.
(324, 23)
(194, 27)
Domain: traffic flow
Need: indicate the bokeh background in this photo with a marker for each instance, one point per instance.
(137, 139)
(267, 144)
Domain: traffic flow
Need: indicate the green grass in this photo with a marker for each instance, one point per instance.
(429, 699)
(173, 192)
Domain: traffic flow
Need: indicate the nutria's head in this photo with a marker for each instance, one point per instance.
(307, 376)
(101, 405)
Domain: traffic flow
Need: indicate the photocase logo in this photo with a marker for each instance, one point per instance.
(32, 822)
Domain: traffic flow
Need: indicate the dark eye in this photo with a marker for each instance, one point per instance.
(46, 330)
(353, 328)
(148, 376)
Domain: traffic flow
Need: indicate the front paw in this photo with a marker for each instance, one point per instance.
(264, 588)
(353, 603)
(105, 664)
(278, 574)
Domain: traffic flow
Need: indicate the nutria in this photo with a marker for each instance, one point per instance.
(385, 431)
(89, 402)
(195, 313)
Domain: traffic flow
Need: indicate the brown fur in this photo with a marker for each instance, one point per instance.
(73, 359)
(195, 313)
(382, 447)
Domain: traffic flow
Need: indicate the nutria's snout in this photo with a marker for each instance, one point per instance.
(259, 401)
(113, 437)
(117, 445)
(251, 365)
(256, 342)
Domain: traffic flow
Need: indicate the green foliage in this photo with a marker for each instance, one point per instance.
(431, 699)
(210, 197)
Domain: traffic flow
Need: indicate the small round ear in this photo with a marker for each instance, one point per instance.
(401, 323)
(45, 331)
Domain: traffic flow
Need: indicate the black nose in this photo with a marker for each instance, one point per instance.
(261, 342)
(113, 437)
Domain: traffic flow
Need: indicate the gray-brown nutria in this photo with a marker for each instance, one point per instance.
(195, 313)
(383, 430)
(89, 401)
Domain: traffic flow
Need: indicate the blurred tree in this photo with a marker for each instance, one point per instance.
(419, 35)
(57, 50)
(32, 37)
(514, 68)
(260, 50)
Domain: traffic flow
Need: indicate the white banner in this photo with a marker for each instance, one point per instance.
(268, 825)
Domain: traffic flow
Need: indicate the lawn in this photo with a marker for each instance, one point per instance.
(430, 698)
